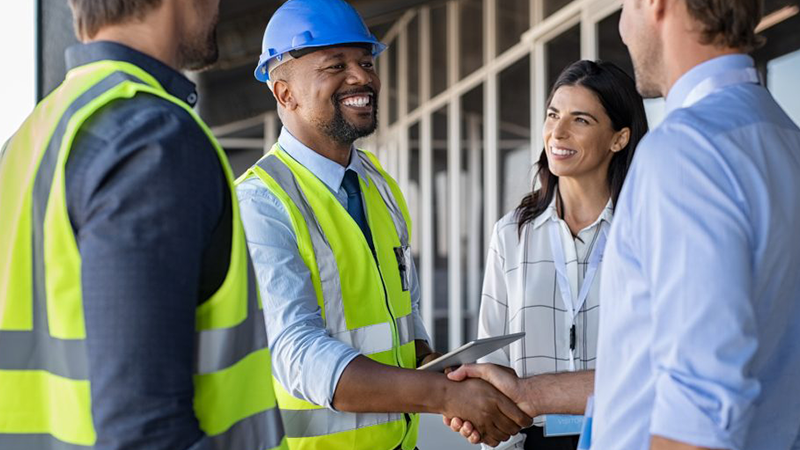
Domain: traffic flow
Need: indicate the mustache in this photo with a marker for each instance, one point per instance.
(354, 91)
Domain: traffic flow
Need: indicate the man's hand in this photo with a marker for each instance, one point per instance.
(553, 393)
(502, 378)
(494, 416)
(428, 358)
(425, 353)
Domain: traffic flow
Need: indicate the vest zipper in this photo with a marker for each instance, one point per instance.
(393, 322)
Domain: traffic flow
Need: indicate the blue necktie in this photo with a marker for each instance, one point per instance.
(355, 206)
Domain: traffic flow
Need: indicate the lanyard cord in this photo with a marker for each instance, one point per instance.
(573, 305)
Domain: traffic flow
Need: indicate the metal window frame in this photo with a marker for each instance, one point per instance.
(395, 139)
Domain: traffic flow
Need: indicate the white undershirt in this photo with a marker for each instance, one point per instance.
(520, 293)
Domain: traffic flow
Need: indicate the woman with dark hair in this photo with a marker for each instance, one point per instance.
(544, 257)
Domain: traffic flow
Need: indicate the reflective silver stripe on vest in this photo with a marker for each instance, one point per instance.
(262, 431)
(405, 329)
(326, 262)
(388, 197)
(36, 349)
(3, 151)
(36, 442)
(320, 422)
(377, 338)
(222, 348)
(368, 340)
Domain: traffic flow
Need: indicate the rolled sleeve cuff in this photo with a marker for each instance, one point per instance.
(336, 371)
(695, 416)
(420, 334)
(310, 363)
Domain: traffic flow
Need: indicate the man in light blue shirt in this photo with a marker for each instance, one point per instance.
(343, 325)
(700, 328)
(700, 333)
(311, 361)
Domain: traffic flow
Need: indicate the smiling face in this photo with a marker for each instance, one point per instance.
(334, 91)
(579, 137)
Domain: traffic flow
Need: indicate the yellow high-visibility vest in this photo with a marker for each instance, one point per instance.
(365, 304)
(45, 400)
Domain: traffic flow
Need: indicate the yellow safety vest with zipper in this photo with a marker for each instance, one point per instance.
(365, 303)
(45, 400)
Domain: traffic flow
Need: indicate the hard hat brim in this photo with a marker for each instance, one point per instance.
(262, 74)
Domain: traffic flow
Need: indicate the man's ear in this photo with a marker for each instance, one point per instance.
(621, 139)
(659, 8)
(283, 95)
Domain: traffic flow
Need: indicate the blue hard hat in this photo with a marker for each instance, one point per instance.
(299, 24)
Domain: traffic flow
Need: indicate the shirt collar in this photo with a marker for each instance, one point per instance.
(551, 213)
(329, 172)
(174, 82)
(701, 72)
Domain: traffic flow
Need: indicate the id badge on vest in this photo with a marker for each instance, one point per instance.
(403, 255)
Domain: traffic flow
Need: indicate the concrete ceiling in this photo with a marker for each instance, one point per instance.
(242, 24)
(228, 91)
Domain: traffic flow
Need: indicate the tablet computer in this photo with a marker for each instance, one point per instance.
(470, 352)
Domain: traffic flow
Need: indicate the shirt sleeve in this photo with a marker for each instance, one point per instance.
(306, 360)
(695, 242)
(419, 326)
(493, 316)
(144, 193)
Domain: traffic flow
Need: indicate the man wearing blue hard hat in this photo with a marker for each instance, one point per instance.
(329, 231)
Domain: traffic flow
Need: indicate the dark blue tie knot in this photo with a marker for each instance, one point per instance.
(350, 183)
(355, 206)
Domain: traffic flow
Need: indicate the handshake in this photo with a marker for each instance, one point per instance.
(489, 405)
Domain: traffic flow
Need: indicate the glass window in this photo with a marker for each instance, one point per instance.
(513, 19)
(471, 39)
(515, 133)
(18, 89)
(413, 192)
(413, 64)
(782, 76)
(562, 51)
(472, 257)
(552, 6)
(610, 48)
(779, 58)
(770, 6)
(392, 58)
(439, 333)
(609, 44)
(438, 49)
(441, 199)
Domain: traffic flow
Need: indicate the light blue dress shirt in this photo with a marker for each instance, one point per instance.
(306, 360)
(700, 326)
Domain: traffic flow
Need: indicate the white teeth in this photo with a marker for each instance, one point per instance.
(562, 151)
(357, 101)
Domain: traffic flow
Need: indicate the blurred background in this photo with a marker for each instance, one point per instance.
(464, 86)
